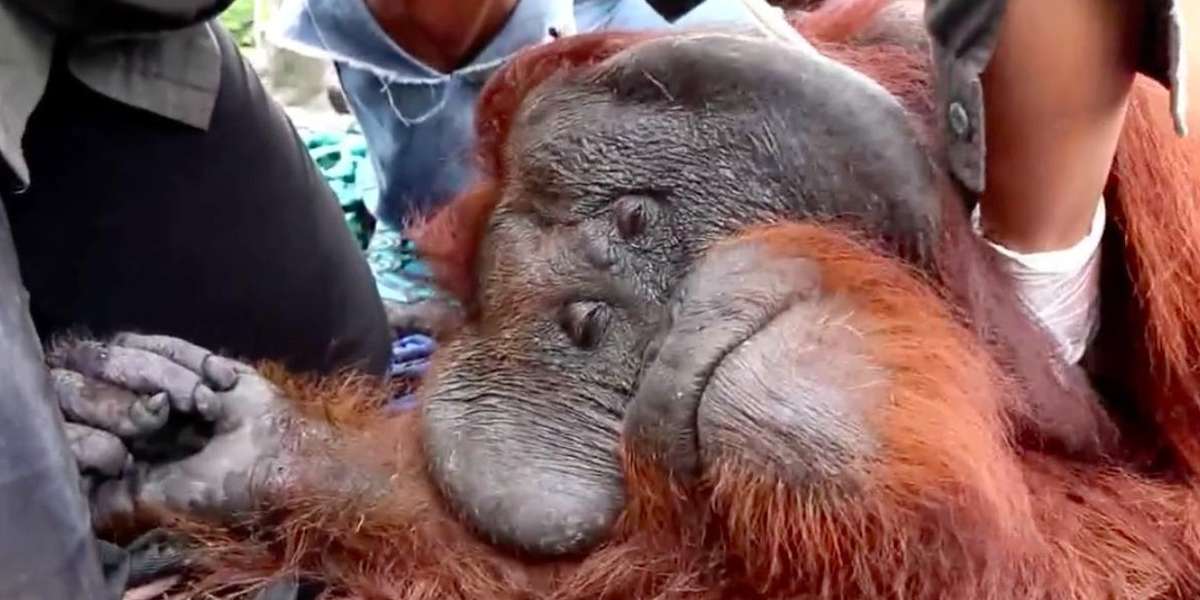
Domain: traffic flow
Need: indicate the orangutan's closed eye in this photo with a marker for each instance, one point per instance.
(634, 213)
(733, 337)
(585, 322)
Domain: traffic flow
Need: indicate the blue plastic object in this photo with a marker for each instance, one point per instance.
(410, 361)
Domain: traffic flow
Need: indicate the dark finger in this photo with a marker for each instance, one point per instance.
(141, 372)
(150, 413)
(218, 372)
(101, 405)
(96, 450)
(435, 316)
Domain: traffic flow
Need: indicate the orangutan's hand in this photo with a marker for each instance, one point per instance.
(136, 374)
(436, 316)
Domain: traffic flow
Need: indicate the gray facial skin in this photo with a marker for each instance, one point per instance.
(620, 179)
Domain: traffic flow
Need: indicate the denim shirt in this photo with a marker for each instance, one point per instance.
(419, 123)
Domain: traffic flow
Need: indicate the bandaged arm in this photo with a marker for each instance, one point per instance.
(1060, 287)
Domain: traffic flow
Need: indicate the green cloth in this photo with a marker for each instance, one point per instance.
(342, 158)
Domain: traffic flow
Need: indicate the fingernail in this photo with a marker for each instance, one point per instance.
(220, 376)
(149, 413)
(156, 403)
(207, 403)
(224, 378)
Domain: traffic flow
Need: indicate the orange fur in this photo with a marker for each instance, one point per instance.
(946, 512)
(449, 241)
(954, 507)
(837, 19)
(867, 543)
(1049, 411)
(1153, 198)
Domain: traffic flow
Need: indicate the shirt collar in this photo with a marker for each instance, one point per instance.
(25, 53)
(346, 31)
(176, 75)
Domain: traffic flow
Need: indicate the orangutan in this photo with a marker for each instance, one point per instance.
(730, 335)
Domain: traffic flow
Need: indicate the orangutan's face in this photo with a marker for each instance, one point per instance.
(619, 179)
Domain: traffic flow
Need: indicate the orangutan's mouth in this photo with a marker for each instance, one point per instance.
(679, 368)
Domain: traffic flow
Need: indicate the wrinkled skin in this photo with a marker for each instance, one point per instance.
(117, 395)
(659, 276)
(595, 317)
(618, 184)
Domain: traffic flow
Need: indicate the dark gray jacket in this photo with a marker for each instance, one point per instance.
(154, 54)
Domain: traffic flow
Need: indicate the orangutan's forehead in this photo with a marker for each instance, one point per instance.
(671, 97)
(749, 121)
(703, 100)
(706, 70)
(709, 75)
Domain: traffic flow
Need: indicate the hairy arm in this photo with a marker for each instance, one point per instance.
(300, 473)
(839, 416)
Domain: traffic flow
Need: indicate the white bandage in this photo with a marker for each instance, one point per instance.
(1061, 287)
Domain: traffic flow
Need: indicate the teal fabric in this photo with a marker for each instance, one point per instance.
(400, 274)
(341, 157)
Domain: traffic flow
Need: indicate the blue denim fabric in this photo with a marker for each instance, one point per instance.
(419, 122)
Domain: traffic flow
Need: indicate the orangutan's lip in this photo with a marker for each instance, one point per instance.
(681, 374)
(738, 343)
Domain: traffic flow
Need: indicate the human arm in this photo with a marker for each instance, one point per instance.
(1032, 101)
(1190, 19)
(1055, 79)
(1055, 94)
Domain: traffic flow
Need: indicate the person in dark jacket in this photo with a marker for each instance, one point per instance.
(147, 183)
